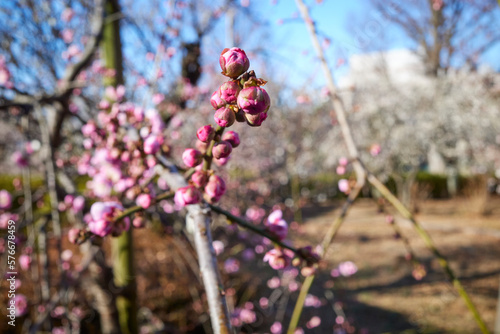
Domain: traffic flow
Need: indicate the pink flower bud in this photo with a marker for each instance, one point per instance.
(100, 227)
(255, 120)
(343, 161)
(344, 186)
(229, 91)
(21, 304)
(276, 225)
(5, 200)
(216, 100)
(224, 117)
(144, 200)
(73, 235)
(277, 259)
(215, 188)
(232, 137)
(24, 261)
(151, 145)
(199, 178)
(139, 222)
(89, 129)
(254, 100)
(205, 133)
(222, 149)
(187, 195)
(201, 146)
(233, 62)
(192, 157)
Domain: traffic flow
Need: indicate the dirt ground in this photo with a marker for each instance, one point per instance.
(383, 296)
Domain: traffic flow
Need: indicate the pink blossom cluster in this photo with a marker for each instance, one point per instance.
(120, 158)
(120, 149)
(236, 100)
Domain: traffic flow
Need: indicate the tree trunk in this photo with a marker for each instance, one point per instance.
(123, 264)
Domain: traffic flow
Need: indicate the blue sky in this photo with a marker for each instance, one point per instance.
(348, 24)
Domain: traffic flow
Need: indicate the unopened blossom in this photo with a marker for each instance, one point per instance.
(21, 304)
(199, 178)
(187, 195)
(192, 157)
(216, 101)
(255, 120)
(218, 246)
(344, 186)
(229, 91)
(20, 159)
(277, 258)
(205, 133)
(73, 235)
(151, 145)
(215, 188)
(314, 322)
(222, 149)
(347, 268)
(232, 137)
(254, 100)
(139, 222)
(5, 200)
(224, 117)
(24, 261)
(103, 214)
(233, 62)
(276, 225)
(375, 150)
(144, 200)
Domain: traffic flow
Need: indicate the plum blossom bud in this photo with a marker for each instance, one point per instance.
(205, 133)
(73, 235)
(224, 117)
(276, 225)
(100, 227)
(144, 200)
(375, 150)
(216, 100)
(89, 129)
(5, 200)
(344, 186)
(151, 145)
(25, 261)
(254, 100)
(343, 161)
(187, 195)
(277, 259)
(215, 188)
(347, 268)
(199, 178)
(255, 120)
(21, 304)
(192, 157)
(222, 149)
(233, 62)
(232, 137)
(139, 222)
(229, 91)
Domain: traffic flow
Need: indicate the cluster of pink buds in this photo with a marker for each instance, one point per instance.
(121, 149)
(239, 99)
